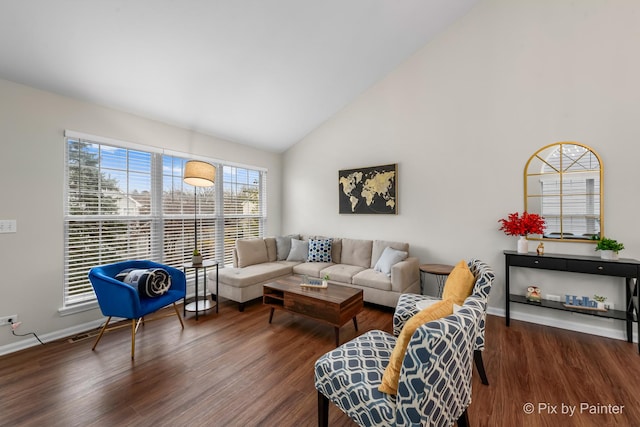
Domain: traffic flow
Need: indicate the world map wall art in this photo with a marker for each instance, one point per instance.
(369, 190)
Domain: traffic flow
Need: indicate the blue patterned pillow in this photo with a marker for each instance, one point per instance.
(319, 250)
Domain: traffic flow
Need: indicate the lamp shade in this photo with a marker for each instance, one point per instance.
(199, 174)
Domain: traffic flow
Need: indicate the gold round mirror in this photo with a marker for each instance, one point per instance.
(563, 183)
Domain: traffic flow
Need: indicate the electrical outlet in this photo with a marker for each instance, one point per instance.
(7, 320)
(8, 226)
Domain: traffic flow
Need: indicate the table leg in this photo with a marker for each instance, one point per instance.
(337, 329)
(355, 323)
(196, 269)
(440, 279)
(217, 293)
(271, 314)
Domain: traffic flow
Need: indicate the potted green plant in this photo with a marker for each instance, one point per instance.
(325, 280)
(197, 257)
(608, 248)
(600, 300)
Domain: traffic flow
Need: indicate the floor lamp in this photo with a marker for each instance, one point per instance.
(198, 174)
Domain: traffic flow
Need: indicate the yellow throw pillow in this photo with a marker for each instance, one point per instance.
(459, 284)
(392, 372)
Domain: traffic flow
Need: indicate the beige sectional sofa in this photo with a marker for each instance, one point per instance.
(382, 269)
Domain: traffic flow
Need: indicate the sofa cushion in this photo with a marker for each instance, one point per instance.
(336, 250)
(312, 269)
(270, 243)
(370, 278)
(392, 372)
(283, 246)
(251, 251)
(341, 272)
(250, 275)
(380, 245)
(356, 252)
(459, 284)
(388, 259)
(299, 250)
(319, 250)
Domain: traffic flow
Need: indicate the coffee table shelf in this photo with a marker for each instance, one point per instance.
(335, 305)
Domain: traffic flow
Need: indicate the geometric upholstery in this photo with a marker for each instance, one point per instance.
(119, 299)
(484, 277)
(434, 388)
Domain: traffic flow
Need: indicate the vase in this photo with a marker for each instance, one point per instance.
(523, 245)
(325, 283)
(610, 255)
(196, 259)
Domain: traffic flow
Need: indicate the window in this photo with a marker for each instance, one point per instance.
(125, 202)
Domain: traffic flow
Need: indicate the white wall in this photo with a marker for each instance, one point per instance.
(32, 123)
(462, 117)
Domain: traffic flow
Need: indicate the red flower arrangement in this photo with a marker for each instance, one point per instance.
(516, 225)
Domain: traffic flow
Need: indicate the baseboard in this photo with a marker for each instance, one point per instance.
(31, 341)
(615, 333)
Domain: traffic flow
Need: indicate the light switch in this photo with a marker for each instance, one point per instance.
(8, 226)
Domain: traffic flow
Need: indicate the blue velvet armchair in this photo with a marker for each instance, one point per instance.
(122, 300)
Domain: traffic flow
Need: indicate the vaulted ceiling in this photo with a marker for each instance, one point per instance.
(258, 72)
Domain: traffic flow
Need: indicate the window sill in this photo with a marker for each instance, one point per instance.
(78, 308)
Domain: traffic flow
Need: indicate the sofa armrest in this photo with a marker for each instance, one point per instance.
(404, 274)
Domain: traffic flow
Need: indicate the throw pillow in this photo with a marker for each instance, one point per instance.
(299, 250)
(251, 251)
(459, 284)
(388, 259)
(391, 374)
(319, 250)
(150, 282)
(283, 246)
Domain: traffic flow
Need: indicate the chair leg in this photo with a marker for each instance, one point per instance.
(463, 421)
(133, 337)
(175, 307)
(241, 307)
(323, 410)
(477, 357)
(104, 328)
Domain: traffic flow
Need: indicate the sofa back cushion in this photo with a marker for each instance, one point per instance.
(336, 250)
(251, 251)
(283, 245)
(270, 243)
(380, 245)
(356, 252)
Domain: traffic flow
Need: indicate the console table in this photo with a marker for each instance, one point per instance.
(628, 269)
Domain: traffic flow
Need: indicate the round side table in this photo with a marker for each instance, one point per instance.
(441, 271)
(200, 304)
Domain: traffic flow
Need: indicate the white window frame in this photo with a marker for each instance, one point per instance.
(211, 225)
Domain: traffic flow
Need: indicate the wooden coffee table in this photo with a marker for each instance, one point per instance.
(334, 305)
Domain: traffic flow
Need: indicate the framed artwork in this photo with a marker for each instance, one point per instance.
(370, 190)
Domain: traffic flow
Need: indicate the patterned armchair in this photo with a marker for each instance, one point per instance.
(434, 387)
(406, 308)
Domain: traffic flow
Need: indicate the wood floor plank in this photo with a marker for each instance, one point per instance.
(236, 369)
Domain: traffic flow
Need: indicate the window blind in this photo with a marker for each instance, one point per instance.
(122, 202)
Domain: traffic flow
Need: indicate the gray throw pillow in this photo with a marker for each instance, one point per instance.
(299, 250)
(388, 259)
(283, 246)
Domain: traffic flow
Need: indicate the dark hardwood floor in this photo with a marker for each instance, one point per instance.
(236, 369)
